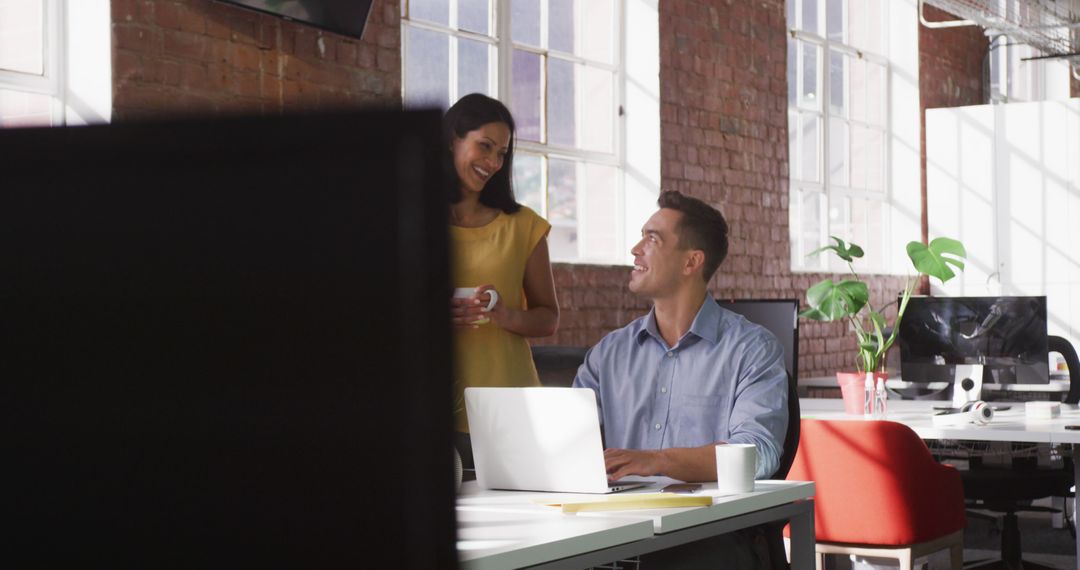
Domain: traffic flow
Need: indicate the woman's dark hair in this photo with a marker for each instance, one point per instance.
(470, 113)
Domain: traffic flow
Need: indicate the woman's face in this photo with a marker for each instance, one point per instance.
(479, 155)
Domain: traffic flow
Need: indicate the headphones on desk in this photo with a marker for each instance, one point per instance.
(977, 412)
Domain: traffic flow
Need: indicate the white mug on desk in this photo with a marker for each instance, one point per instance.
(736, 464)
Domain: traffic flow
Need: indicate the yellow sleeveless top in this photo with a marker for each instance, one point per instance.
(495, 253)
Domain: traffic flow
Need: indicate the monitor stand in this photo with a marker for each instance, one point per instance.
(967, 384)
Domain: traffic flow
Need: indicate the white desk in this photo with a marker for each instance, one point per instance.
(506, 529)
(1008, 425)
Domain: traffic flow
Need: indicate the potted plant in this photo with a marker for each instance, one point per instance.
(850, 300)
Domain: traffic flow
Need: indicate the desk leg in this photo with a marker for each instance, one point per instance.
(802, 538)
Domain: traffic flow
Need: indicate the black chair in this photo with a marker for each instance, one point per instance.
(557, 365)
(1011, 489)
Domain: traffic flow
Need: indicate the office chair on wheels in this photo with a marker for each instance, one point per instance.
(1011, 489)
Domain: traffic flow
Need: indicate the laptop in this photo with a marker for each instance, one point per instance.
(538, 439)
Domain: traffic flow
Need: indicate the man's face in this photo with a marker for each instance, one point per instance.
(658, 261)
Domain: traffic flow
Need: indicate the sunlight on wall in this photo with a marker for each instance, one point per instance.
(1005, 179)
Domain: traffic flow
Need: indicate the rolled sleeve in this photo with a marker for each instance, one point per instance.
(759, 415)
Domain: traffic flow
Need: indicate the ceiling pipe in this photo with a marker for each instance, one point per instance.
(948, 24)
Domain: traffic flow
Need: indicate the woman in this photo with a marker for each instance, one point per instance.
(495, 244)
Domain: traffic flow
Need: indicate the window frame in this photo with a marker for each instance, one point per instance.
(833, 195)
(500, 70)
(51, 83)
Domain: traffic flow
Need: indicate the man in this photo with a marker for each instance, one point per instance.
(688, 375)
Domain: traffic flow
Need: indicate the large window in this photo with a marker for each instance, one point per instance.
(29, 63)
(561, 67)
(52, 73)
(839, 128)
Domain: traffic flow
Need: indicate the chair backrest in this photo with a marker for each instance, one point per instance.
(1063, 347)
(876, 483)
(781, 318)
(791, 437)
(557, 365)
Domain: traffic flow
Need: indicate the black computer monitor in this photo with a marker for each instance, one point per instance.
(226, 342)
(1006, 335)
(780, 316)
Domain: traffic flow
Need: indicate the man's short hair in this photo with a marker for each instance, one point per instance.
(702, 227)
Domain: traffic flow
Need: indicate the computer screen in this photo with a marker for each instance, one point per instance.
(780, 316)
(1007, 335)
(226, 341)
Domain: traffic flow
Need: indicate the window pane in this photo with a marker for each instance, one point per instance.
(525, 95)
(562, 114)
(810, 235)
(836, 84)
(867, 152)
(865, 228)
(875, 94)
(834, 19)
(809, 143)
(838, 152)
(792, 72)
(427, 68)
(858, 90)
(525, 22)
(794, 161)
(598, 43)
(473, 16)
(22, 36)
(19, 109)
(808, 96)
(473, 65)
(529, 180)
(810, 16)
(599, 223)
(562, 209)
(437, 11)
(865, 25)
(596, 91)
(561, 25)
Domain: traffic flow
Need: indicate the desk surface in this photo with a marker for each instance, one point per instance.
(510, 529)
(1055, 385)
(1008, 425)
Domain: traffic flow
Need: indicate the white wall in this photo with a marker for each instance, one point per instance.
(1005, 180)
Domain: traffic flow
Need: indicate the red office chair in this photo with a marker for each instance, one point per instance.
(879, 492)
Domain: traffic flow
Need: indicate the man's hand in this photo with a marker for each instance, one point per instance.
(623, 462)
(682, 463)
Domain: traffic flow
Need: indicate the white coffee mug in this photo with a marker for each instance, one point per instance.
(736, 464)
(467, 292)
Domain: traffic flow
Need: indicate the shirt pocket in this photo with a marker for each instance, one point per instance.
(696, 418)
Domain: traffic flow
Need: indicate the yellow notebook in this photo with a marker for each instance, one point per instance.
(635, 501)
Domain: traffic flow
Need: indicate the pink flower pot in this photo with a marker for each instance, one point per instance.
(852, 388)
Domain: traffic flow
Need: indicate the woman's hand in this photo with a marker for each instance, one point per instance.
(471, 312)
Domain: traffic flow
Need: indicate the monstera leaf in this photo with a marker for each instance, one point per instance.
(935, 259)
(843, 251)
(831, 301)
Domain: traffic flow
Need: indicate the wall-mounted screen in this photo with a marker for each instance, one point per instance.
(346, 17)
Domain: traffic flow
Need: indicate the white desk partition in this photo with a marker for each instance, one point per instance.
(507, 529)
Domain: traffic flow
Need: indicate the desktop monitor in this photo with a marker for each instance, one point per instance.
(227, 341)
(780, 316)
(1005, 335)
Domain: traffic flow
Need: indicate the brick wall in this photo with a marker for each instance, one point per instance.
(199, 56)
(724, 139)
(723, 126)
(950, 75)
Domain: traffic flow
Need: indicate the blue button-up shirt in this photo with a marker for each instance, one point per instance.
(723, 381)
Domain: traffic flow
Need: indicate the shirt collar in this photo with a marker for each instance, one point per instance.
(706, 323)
